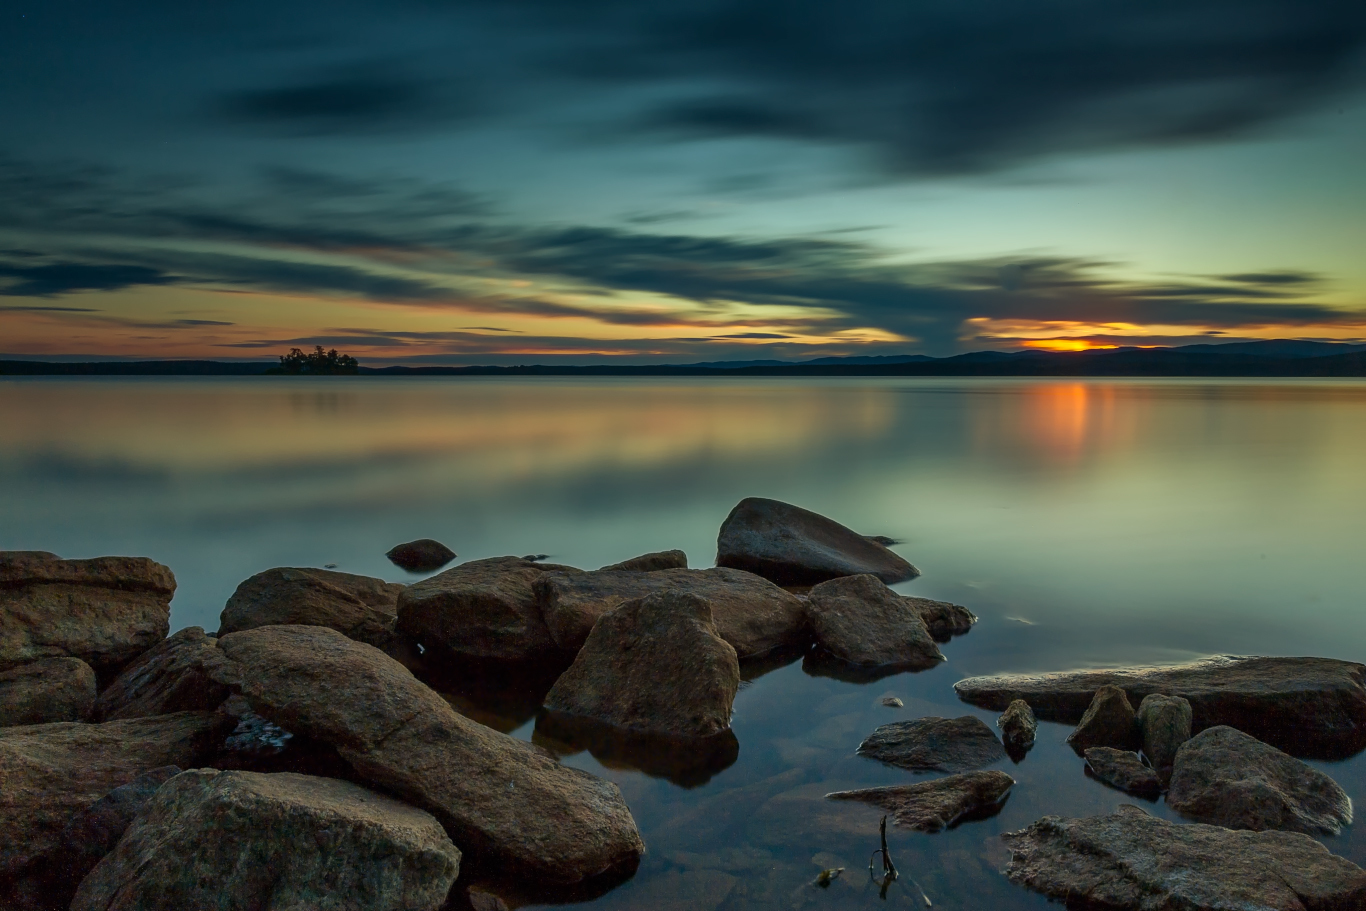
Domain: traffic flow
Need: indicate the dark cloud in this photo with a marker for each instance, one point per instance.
(53, 279)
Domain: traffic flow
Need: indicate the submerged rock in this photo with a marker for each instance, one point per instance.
(933, 805)
(211, 839)
(646, 563)
(934, 744)
(52, 689)
(688, 762)
(421, 556)
(105, 611)
(1109, 722)
(1164, 723)
(1130, 860)
(1018, 728)
(943, 619)
(793, 546)
(655, 664)
(1224, 777)
(1312, 707)
(164, 679)
(1123, 769)
(360, 607)
(862, 622)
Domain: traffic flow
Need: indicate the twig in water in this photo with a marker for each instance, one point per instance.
(889, 871)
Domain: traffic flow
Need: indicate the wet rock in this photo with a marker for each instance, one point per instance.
(1109, 722)
(942, 619)
(1314, 707)
(164, 679)
(53, 689)
(933, 805)
(211, 839)
(421, 556)
(1226, 778)
(655, 664)
(891, 702)
(688, 762)
(862, 622)
(50, 772)
(509, 805)
(1018, 728)
(647, 563)
(482, 609)
(752, 614)
(884, 540)
(1164, 722)
(934, 744)
(105, 611)
(1123, 769)
(360, 607)
(1130, 860)
(793, 546)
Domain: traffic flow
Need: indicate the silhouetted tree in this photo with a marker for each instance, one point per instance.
(318, 363)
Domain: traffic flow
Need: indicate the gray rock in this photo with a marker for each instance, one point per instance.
(1109, 722)
(891, 702)
(862, 622)
(164, 679)
(1313, 707)
(1164, 723)
(1018, 727)
(52, 689)
(647, 563)
(1130, 861)
(283, 842)
(361, 607)
(93, 832)
(793, 546)
(1224, 777)
(1123, 769)
(421, 556)
(934, 744)
(943, 619)
(933, 805)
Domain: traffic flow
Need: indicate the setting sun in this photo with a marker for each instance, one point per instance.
(1066, 344)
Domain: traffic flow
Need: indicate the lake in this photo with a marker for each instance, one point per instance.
(1085, 522)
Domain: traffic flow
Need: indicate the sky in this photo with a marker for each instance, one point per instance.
(525, 181)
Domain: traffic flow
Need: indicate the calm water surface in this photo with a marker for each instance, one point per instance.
(1087, 523)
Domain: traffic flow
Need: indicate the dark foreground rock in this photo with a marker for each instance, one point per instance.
(1109, 722)
(1164, 722)
(934, 744)
(1226, 778)
(1314, 707)
(793, 546)
(421, 556)
(360, 607)
(50, 772)
(933, 805)
(482, 609)
(648, 563)
(53, 689)
(1123, 769)
(211, 839)
(1018, 728)
(943, 619)
(164, 679)
(1130, 860)
(105, 611)
(509, 806)
(862, 622)
(656, 664)
(752, 614)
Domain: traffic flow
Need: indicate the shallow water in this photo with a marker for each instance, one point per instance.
(1085, 522)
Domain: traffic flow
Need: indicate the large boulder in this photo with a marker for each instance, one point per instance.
(933, 805)
(1224, 777)
(283, 842)
(648, 563)
(1130, 861)
(105, 611)
(361, 607)
(421, 556)
(1164, 722)
(1313, 707)
(164, 679)
(482, 609)
(50, 772)
(656, 664)
(862, 622)
(1109, 722)
(793, 546)
(934, 744)
(53, 689)
(508, 805)
(752, 614)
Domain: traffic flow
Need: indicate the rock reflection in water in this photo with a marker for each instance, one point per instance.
(687, 762)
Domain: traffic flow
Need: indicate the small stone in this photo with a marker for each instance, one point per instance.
(1018, 727)
(52, 689)
(891, 702)
(933, 805)
(1123, 769)
(421, 556)
(1108, 722)
(647, 563)
(1164, 723)
(934, 744)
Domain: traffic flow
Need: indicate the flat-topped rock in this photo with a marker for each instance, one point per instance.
(1224, 777)
(360, 607)
(53, 689)
(943, 619)
(1109, 722)
(934, 744)
(421, 556)
(648, 563)
(1123, 769)
(752, 614)
(483, 609)
(933, 805)
(862, 622)
(164, 679)
(1130, 861)
(509, 806)
(1313, 707)
(105, 611)
(794, 546)
(655, 664)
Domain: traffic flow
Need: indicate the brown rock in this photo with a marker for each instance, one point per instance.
(1108, 722)
(648, 563)
(1164, 723)
(1130, 860)
(934, 744)
(49, 772)
(1018, 727)
(360, 607)
(1224, 777)
(943, 619)
(752, 614)
(211, 839)
(862, 622)
(53, 689)
(510, 806)
(105, 611)
(933, 805)
(421, 556)
(1124, 770)
(164, 679)
(793, 546)
(654, 664)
